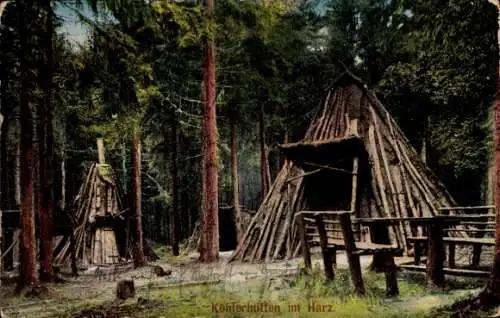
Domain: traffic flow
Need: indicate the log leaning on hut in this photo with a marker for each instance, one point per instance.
(399, 183)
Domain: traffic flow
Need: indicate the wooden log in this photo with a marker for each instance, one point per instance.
(404, 178)
(303, 242)
(277, 224)
(445, 198)
(435, 257)
(323, 239)
(391, 280)
(320, 121)
(287, 230)
(330, 125)
(378, 176)
(385, 165)
(352, 258)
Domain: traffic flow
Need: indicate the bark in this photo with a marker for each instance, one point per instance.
(138, 253)
(27, 266)
(46, 153)
(174, 222)
(209, 251)
(235, 184)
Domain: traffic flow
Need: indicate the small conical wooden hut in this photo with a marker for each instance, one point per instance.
(352, 149)
(97, 221)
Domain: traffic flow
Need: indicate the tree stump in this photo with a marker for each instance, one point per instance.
(160, 271)
(125, 289)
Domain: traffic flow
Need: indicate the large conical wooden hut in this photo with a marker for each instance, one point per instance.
(99, 227)
(352, 149)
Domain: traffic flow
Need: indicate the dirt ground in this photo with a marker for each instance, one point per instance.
(96, 286)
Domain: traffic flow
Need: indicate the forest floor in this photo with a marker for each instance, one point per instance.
(218, 290)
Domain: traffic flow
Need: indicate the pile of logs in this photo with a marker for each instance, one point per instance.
(401, 185)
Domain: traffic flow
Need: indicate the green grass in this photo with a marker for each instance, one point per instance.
(302, 296)
(311, 294)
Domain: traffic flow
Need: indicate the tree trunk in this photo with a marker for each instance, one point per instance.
(493, 285)
(124, 169)
(138, 253)
(1, 232)
(62, 203)
(264, 165)
(46, 153)
(27, 266)
(174, 221)
(209, 251)
(4, 167)
(235, 184)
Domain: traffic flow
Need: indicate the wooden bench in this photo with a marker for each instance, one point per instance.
(475, 226)
(329, 244)
(469, 230)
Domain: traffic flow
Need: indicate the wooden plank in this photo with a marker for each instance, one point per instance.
(449, 271)
(458, 240)
(471, 230)
(478, 207)
(334, 213)
(311, 220)
(478, 223)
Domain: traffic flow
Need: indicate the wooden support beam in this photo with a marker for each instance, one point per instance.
(323, 241)
(354, 184)
(306, 254)
(305, 174)
(352, 258)
(391, 280)
(379, 234)
(317, 165)
(451, 255)
(435, 257)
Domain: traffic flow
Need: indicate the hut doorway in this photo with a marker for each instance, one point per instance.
(328, 190)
